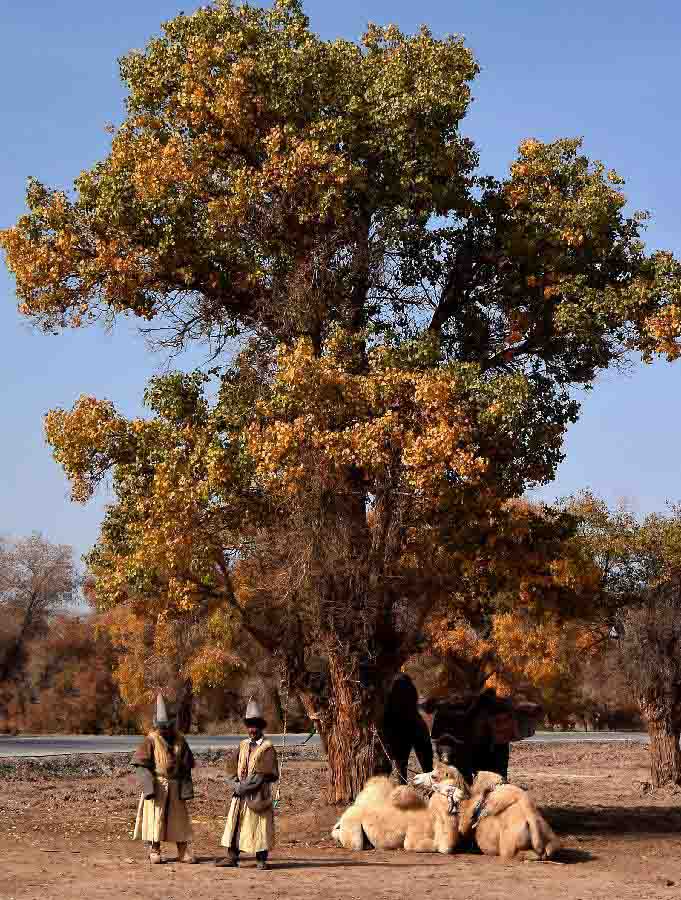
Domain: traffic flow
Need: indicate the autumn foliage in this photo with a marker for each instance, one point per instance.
(67, 684)
(407, 333)
(637, 607)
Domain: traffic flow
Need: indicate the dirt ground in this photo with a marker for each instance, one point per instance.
(65, 829)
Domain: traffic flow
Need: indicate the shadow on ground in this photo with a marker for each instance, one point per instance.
(611, 820)
(568, 856)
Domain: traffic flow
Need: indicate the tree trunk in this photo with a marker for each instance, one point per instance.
(353, 729)
(183, 717)
(665, 755)
(351, 746)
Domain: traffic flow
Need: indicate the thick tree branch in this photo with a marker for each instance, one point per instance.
(266, 641)
(454, 291)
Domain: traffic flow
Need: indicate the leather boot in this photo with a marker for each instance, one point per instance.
(184, 853)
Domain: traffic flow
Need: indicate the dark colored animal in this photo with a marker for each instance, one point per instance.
(404, 729)
(473, 733)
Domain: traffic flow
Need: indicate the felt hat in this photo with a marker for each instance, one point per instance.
(253, 714)
(161, 714)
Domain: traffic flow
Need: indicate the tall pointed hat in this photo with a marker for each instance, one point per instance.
(161, 717)
(254, 712)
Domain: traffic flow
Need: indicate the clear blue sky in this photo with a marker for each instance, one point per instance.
(606, 70)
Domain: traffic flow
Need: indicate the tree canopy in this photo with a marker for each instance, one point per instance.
(408, 334)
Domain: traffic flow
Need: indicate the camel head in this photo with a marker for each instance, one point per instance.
(446, 748)
(485, 782)
(448, 775)
(446, 782)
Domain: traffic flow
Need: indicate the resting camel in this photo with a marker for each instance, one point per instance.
(395, 818)
(504, 819)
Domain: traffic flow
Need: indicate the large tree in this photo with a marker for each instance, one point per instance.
(408, 335)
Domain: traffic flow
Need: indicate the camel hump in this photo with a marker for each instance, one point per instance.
(404, 797)
(376, 790)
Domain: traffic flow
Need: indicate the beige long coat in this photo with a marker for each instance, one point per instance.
(250, 831)
(164, 817)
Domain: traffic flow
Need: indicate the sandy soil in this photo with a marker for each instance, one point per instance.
(65, 833)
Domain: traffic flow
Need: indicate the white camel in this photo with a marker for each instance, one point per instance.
(395, 818)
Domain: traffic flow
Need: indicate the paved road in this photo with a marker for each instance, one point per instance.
(63, 745)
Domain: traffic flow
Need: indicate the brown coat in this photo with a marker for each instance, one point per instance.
(181, 758)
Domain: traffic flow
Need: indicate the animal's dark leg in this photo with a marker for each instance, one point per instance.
(422, 745)
(402, 763)
(499, 759)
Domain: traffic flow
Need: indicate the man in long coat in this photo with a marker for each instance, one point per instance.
(250, 822)
(163, 764)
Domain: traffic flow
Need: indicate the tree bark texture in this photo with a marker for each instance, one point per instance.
(353, 729)
(351, 745)
(665, 755)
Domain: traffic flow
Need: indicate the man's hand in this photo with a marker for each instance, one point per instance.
(252, 784)
(238, 787)
(249, 786)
